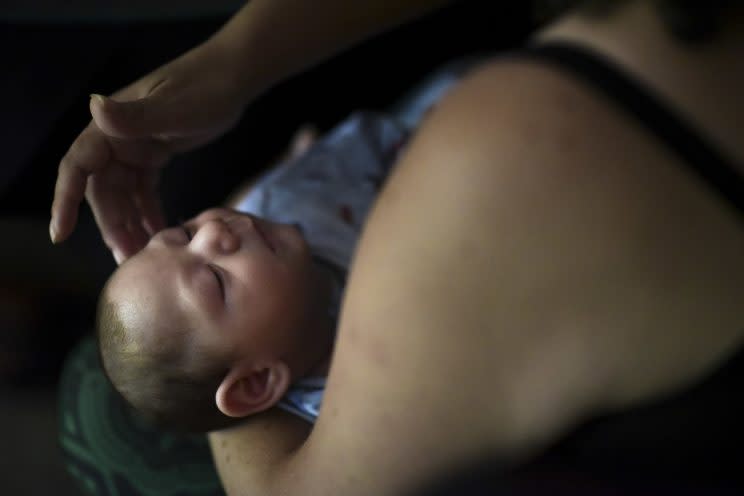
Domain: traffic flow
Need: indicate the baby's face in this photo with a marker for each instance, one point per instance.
(233, 277)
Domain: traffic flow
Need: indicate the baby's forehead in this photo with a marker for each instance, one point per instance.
(145, 298)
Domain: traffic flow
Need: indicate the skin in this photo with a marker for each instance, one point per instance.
(246, 286)
(544, 279)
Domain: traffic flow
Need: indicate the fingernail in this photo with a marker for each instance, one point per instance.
(52, 232)
(118, 257)
(97, 98)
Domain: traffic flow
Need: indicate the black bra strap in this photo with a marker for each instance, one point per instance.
(650, 109)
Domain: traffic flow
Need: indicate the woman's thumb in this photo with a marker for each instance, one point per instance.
(131, 119)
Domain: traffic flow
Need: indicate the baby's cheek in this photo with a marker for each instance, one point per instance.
(295, 283)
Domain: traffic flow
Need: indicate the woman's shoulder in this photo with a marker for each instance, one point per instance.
(517, 119)
(526, 215)
(518, 115)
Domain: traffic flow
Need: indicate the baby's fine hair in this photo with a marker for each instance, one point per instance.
(163, 381)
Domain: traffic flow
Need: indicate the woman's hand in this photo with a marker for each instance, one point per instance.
(115, 162)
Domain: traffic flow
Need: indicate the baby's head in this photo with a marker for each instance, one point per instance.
(213, 320)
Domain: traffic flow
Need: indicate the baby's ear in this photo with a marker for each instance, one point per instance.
(252, 387)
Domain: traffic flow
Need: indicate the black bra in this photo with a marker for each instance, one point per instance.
(694, 436)
(650, 109)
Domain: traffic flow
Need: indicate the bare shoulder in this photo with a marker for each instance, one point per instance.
(556, 210)
(527, 174)
(534, 258)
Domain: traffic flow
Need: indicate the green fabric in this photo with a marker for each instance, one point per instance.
(112, 451)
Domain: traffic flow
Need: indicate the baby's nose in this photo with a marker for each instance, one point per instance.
(217, 235)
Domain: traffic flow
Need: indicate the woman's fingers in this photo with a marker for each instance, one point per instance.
(148, 203)
(94, 153)
(151, 115)
(68, 193)
(88, 153)
(111, 197)
(147, 153)
(145, 158)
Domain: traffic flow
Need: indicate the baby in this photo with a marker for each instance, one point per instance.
(231, 313)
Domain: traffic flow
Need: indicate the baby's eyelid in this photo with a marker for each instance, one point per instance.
(220, 279)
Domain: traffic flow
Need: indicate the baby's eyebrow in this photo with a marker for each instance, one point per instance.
(199, 296)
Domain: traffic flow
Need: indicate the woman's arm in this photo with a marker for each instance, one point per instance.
(269, 40)
(255, 448)
(115, 162)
